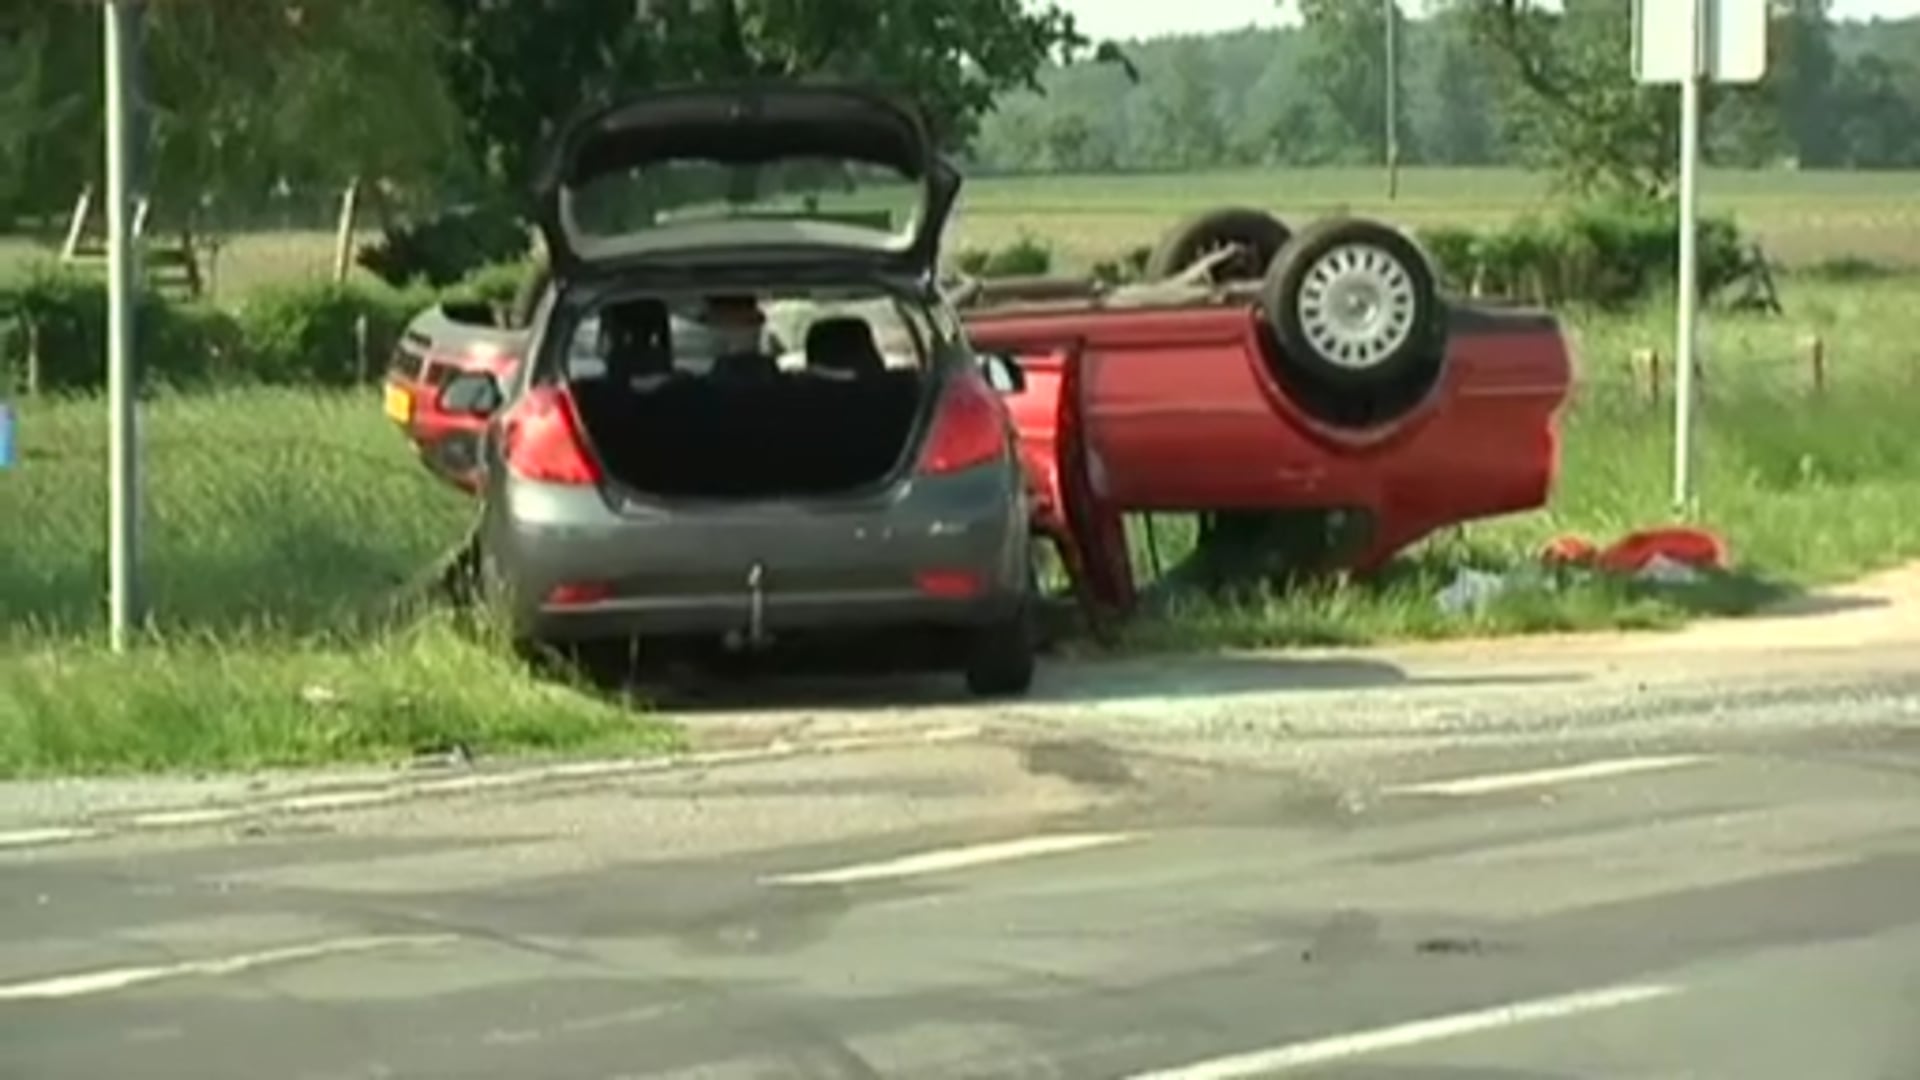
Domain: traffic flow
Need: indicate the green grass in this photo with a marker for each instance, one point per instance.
(279, 529)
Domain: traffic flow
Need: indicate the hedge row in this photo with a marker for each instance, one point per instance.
(1607, 254)
(53, 329)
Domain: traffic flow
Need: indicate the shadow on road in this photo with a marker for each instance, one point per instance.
(843, 683)
(1813, 604)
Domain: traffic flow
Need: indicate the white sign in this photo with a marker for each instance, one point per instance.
(1732, 45)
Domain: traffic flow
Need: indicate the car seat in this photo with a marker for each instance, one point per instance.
(844, 346)
(639, 341)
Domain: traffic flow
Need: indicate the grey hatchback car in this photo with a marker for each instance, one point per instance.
(746, 411)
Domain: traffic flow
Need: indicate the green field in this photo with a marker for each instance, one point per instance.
(1801, 218)
(281, 525)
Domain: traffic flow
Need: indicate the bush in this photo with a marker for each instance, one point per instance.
(324, 334)
(496, 285)
(1025, 257)
(447, 247)
(1452, 250)
(317, 334)
(60, 314)
(1850, 268)
(1608, 254)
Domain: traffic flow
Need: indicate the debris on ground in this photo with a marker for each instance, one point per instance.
(1649, 553)
(1675, 555)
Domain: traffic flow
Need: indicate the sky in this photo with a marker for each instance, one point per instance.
(1151, 18)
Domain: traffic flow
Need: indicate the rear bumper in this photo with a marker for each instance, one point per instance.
(719, 616)
(573, 569)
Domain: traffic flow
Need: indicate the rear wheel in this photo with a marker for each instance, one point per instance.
(1354, 302)
(1253, 236)
(1000, 655)
(1358, 322)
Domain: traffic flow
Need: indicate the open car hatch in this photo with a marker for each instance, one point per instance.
(716, 176)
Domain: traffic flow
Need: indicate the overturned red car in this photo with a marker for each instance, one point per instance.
(1267, 381)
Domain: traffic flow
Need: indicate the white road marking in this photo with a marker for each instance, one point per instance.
(1340, 1047)
(174, 819)
(111, 979)
(337, 800)
(1592, 770)
(36, 837)
(960, 858)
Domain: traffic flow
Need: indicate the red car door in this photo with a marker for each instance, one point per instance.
(1066, 475)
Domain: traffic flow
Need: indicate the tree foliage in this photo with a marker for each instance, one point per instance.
(237, 95)
(1346, 57)
(519, 69)
(1838, 94)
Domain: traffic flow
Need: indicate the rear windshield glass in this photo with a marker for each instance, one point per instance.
(824, 200)
(830, 334)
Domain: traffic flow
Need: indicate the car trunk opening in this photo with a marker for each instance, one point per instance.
(795, 435)
(827, 398)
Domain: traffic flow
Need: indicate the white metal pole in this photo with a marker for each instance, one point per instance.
(1686, 331)
(123, 479)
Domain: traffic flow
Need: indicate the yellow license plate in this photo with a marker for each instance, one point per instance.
(399, 404)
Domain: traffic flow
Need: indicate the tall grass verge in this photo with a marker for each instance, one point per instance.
(278, 527)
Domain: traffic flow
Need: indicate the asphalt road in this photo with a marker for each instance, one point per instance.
(1506, 866)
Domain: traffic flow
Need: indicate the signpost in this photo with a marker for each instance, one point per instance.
(122, 439)
(1691, 42)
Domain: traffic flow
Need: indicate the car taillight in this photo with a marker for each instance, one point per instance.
(969, 429)
(540, 439)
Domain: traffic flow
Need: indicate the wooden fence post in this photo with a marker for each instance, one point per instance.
(33, 357)
(1817, 361)
(343, 237)
(1650, 360)
(360, 333)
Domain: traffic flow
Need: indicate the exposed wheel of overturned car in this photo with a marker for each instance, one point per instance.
(1253, 236)
(1358, 322)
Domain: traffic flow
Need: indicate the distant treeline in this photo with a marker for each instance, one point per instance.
(1839, 95)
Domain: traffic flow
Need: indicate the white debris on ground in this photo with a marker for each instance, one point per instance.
(1472, 590)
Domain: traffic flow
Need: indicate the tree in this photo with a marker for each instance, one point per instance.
(235, 95)
(519, 69)
(1347, 60)
(1462, 113)
(1570, 98)
(1185, 127)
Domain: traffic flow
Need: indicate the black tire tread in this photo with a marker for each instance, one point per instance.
(1182, 244)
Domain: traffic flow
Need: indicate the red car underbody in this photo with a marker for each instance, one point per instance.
(1173, 409)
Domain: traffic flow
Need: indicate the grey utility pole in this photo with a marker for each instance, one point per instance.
(1393, 97)
(123, 546)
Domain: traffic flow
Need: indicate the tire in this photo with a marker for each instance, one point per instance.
(1396, 333)
(1000, 655)
(1259, 234)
